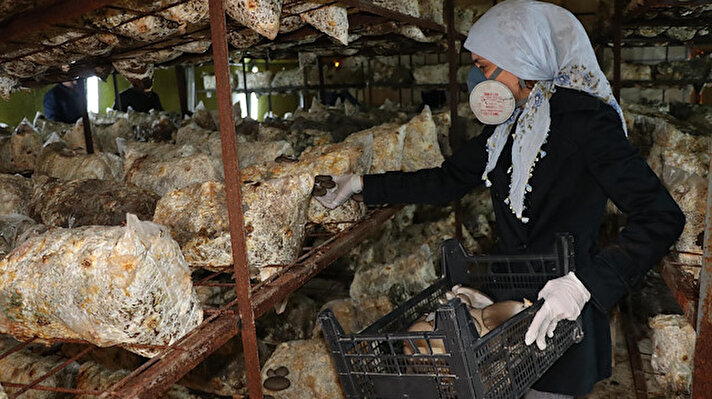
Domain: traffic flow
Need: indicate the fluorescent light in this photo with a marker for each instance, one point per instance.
(93, 94)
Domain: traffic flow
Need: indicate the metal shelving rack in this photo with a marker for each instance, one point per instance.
(237, 317)
(694, 296)
(656, 13)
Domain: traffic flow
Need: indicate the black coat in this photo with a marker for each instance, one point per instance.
(588, 161)
(63, 104)
(139, 101)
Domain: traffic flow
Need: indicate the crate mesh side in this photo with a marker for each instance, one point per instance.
(402, 317)
(504, 280)
(506, 366)
(372, 357)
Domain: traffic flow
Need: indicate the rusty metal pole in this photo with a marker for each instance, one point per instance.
(234, 197)
(88, 141)
(400, 91)
(320, 67)
(269, 88)
(453, 57)
(702, 369)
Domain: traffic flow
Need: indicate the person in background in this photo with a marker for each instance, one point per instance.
(330, 97)
(554, 151)
(140, 97)
(63, 103)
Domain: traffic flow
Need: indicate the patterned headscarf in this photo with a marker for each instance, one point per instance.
(543, 42)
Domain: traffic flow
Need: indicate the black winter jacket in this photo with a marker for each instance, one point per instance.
(588, 161)
(63, 104)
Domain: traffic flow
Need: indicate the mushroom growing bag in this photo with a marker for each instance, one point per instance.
(106, 285)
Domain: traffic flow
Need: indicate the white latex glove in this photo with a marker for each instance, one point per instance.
(564, 298)
(345, 187)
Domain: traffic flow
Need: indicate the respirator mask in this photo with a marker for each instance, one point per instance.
(491, 101)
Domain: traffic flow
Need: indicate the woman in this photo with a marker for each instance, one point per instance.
(550, 167)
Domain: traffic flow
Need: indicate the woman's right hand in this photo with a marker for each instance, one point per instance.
(332, 191)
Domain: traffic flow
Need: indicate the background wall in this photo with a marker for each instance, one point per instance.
(22, 104)
(26, 104)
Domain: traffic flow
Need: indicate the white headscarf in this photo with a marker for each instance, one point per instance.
(543, 42)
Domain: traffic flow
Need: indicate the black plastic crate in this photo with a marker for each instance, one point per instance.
(371, 364)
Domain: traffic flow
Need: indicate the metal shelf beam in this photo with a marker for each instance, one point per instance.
(181, 358)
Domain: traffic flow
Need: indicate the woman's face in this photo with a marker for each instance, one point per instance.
(488, 68)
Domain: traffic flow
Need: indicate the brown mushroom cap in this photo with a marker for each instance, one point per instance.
(496, 314)
(479, 325)
(437, 344)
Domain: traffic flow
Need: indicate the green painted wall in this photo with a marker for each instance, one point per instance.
(27, 103)
(281, 103)
(106, 92)
(22, 104)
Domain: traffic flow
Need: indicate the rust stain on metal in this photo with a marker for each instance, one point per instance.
(269, 295)
(636, 363)
(162, 374)
(159, 373)
(52, 372)
(218, 31)
(16, 348)
(702, 368)
(683, 287)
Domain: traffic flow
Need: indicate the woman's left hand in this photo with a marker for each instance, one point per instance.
(564, 297)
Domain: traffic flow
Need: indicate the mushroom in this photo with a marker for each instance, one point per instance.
(477, 318)
(448, 296)
(476, 299)
(438, 346)
(497, 313)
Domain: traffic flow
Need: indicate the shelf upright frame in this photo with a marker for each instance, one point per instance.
(453, 57)
(702, 366)
(218, 31)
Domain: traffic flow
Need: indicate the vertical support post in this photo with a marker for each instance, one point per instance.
(320, 66)
(453, 61)
(412, 87)
(190, 87)
(702, 368)
(366, 80)
(85, 116)
(244, 86)
(182, 89)
(305, 87)
(117, 98)
(370, 83)
(617, 38)
(269, 88)
(234, 197)
(400, 91)
(636, 363)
